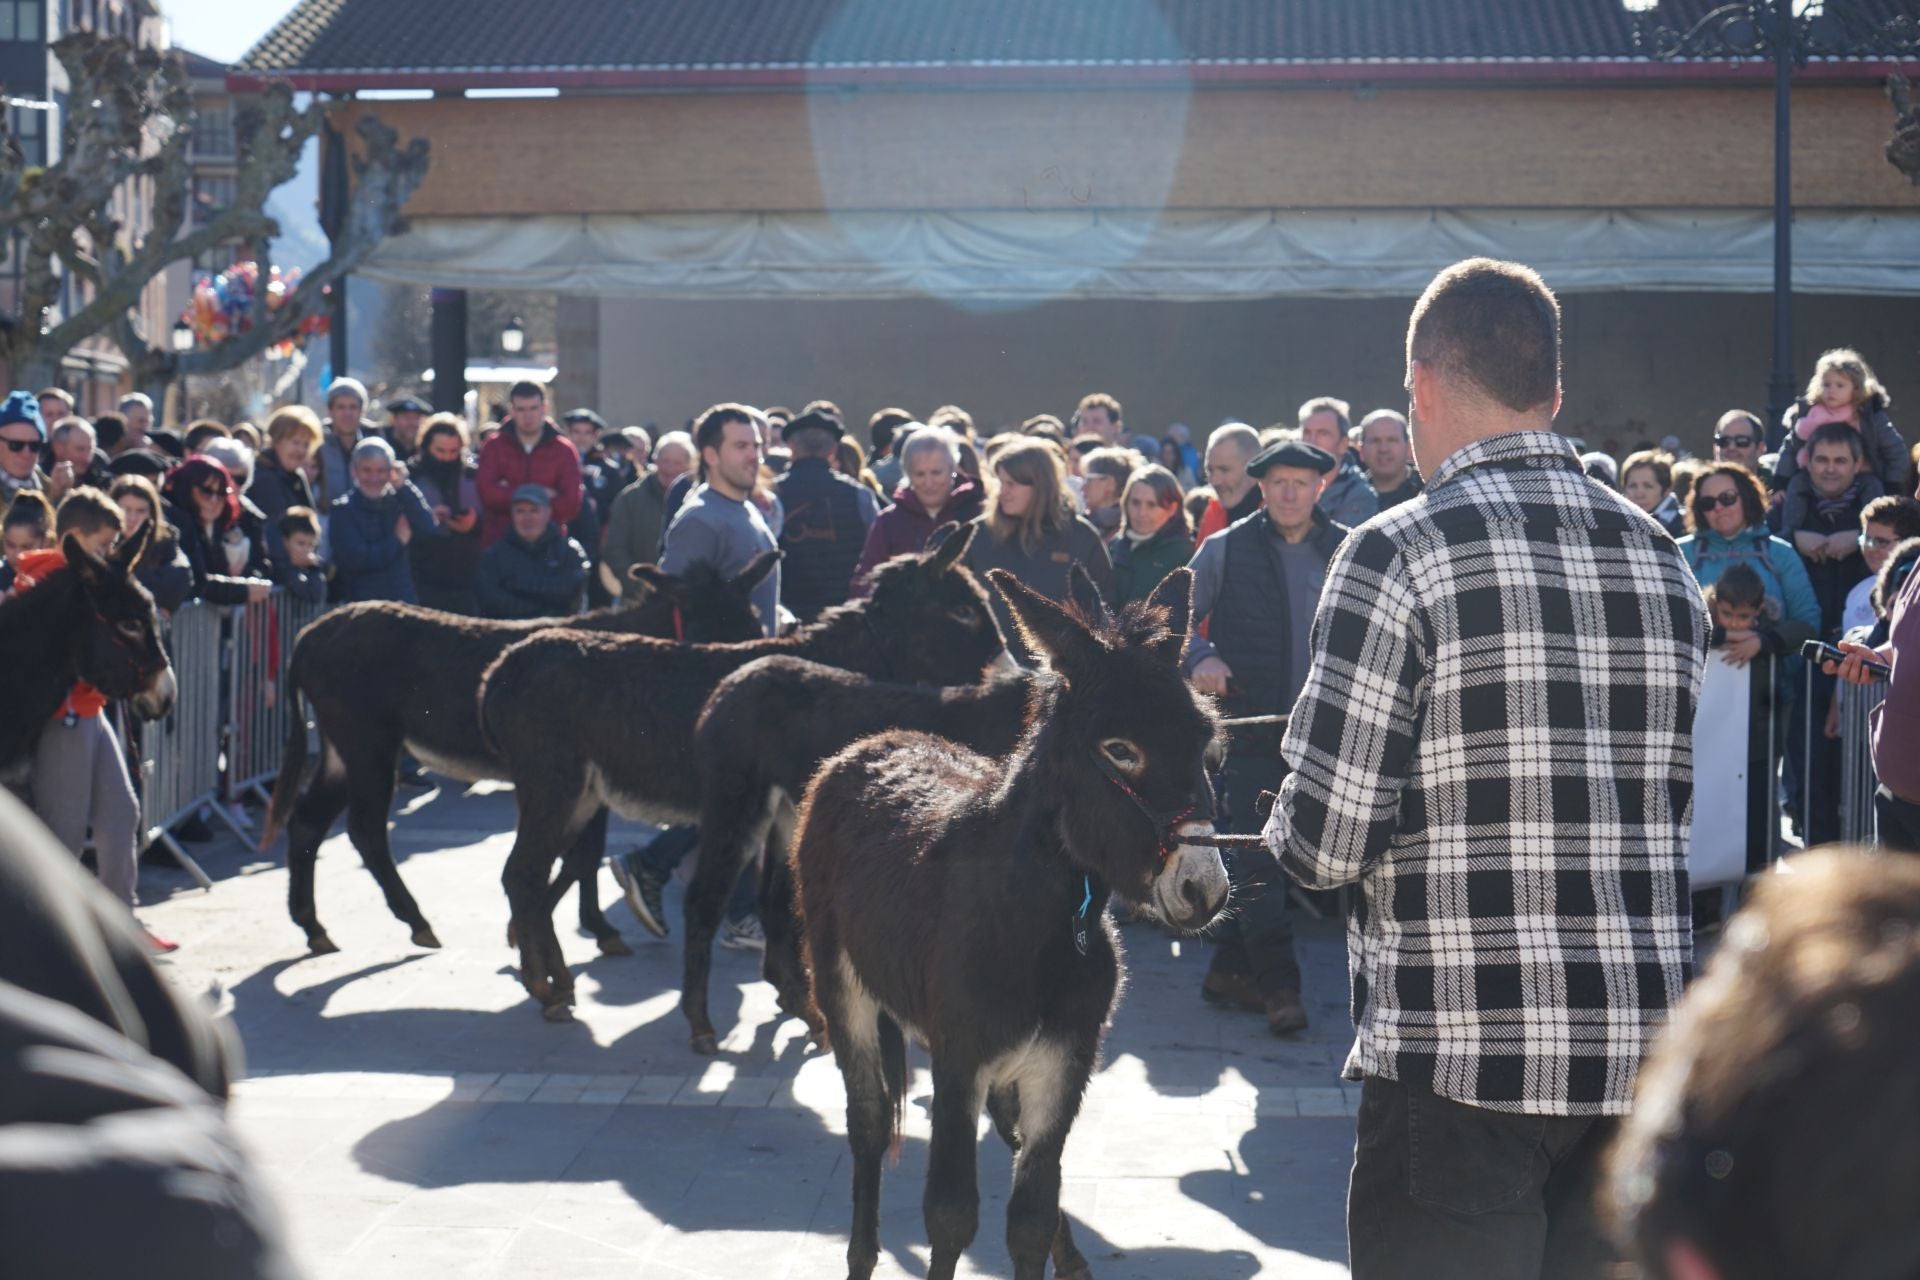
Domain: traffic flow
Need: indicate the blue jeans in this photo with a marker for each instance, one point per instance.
(670, 848)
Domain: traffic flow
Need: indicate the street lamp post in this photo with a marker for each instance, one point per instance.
(513, 338)
(183, 343)
(1788, 32)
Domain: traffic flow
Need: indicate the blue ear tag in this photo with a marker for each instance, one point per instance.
(1079, 922)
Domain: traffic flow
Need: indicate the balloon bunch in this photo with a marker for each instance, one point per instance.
(228, 303)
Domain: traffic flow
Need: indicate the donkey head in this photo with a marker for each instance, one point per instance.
(932, 616)
(119, 642)
(1125, 745)
(709, 607)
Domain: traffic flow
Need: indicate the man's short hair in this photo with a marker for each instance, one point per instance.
(1775, 1130)
(711, 427)
(1327, 404)
(1740, 418)
(526, 389)
(1242, 436)
(203, 430)
(1493, 326)
(68, 426)
(921, 440)
(109, 429)
(1902, 515)
(86, 511)
(1116, 464)
(1394, 416)
(132, 398)
(952, 415)
(1097, 400)
(299, 520)
(58, 393)
(882, 426)
(1836, 433)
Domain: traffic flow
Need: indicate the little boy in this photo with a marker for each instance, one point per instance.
(1738, 600)
(301, 570)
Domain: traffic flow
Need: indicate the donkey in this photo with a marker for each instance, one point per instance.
(959, 898)
(583, 720)
(381, 676)
(91, 621)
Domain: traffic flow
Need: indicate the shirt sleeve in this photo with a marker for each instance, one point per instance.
(689, 542)
(1349, 744)
(1209, 565)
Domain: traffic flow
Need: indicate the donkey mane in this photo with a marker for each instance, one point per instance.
(36, 633)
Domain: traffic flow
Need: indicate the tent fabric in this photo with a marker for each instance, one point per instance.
(1016, 256)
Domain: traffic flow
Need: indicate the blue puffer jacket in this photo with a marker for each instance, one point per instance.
(369, 560)
(541, 579)
(1789, 590)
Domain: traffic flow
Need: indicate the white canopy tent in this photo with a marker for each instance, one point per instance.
(1015, 256)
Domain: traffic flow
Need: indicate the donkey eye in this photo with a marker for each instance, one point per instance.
(964, 616)
(1121, 752)
(132, 630)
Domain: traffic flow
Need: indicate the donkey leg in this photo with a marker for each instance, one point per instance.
(369, 796)
(1049, 1090)
(584, 860)
(952, 1200)
(784, 964)
(855, 1019)
(313, 814)
(552, 811)
(728, 831)
(1003, 1105)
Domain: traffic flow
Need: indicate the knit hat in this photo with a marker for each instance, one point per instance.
(346, 387)
(21, 406)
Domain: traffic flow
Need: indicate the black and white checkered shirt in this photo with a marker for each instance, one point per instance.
(1495, 743)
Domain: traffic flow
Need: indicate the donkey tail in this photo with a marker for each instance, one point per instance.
(893, 1069)
(293, 768)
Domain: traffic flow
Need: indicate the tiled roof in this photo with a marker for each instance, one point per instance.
(385, 36)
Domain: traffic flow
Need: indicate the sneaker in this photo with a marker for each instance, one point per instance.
(158, 945)
(743, 935)
(641, 886)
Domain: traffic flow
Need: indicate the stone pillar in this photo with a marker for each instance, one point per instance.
(449, 347)
(577, 331)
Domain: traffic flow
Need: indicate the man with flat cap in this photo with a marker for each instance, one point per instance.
(1256, 584)
(404, 417)
(827, 518)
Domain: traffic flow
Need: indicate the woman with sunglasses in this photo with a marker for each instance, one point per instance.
(1727, 513)
(203, 505)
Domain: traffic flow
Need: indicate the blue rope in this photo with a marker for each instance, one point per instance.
(1086, 883)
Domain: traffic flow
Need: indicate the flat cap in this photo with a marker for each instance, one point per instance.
(538, 494)
(1291, 453)
(815, 421)
(407, 404)
(585, 415)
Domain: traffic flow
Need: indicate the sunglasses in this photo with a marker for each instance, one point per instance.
(20, 446)
(213, 489)
(1876, 544)
(1730, 498)
(1734, 442)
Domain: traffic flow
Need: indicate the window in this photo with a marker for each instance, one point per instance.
(30, 127)
(20, 20)
(213, 132)
(211, 194)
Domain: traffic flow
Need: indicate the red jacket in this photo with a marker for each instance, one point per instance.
(84, 700)
(505, 466)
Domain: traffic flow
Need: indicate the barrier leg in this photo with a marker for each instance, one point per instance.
(186, 861)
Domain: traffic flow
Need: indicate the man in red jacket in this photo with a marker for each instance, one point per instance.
(531, 450)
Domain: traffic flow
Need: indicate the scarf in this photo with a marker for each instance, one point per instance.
(1838, 507)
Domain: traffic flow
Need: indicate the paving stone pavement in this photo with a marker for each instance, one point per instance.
(419, 1119)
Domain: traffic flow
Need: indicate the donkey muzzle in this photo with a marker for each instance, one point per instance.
(156, 699)
(1191, 888)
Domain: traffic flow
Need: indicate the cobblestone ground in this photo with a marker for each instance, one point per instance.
(418, 1119)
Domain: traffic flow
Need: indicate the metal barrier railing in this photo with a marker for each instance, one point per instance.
(1857, 779)
(231, 712)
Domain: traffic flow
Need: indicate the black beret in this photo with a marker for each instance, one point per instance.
(141, 462)
(1291, 453)
(406, 404)
(585, 415)
(815, 421)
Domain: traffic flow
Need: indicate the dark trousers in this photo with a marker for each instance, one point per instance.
(1441, 1189)
(1899, 821)
(1257, 940)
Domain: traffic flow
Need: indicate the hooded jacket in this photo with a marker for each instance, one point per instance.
(903, 528)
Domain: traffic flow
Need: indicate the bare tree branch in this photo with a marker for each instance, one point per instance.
(1903, 149)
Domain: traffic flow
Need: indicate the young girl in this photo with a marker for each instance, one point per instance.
(1843, 389)
(28, 527)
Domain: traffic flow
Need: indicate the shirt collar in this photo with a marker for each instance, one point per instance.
(1546, 450)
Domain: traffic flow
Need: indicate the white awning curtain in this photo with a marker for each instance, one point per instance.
(1015, 256)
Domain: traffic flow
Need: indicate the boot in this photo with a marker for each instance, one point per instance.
(1234, 990)
(1285, 1013)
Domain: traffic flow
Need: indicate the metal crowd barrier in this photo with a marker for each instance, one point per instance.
(1857, 779)
(228, 727)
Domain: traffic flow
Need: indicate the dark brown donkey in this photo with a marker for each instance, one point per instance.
(383, 676)
(584, 720)
(88, 621)
(960, 899)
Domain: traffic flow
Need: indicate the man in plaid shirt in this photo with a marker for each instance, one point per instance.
(1495, 745)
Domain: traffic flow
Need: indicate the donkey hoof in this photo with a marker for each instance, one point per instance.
(1077, 1270)
(560, 1010)
(612, 944)
(706, 1044)
(424, 936)
(319, 944)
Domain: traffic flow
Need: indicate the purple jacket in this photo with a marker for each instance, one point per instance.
(903, 528)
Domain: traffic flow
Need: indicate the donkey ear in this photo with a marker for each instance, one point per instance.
(128, 553)
(92, 571)
(757, 569)
(656, 579)
(1174, 595)
(1085, 596)
(1047, 628)
(947, 545)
